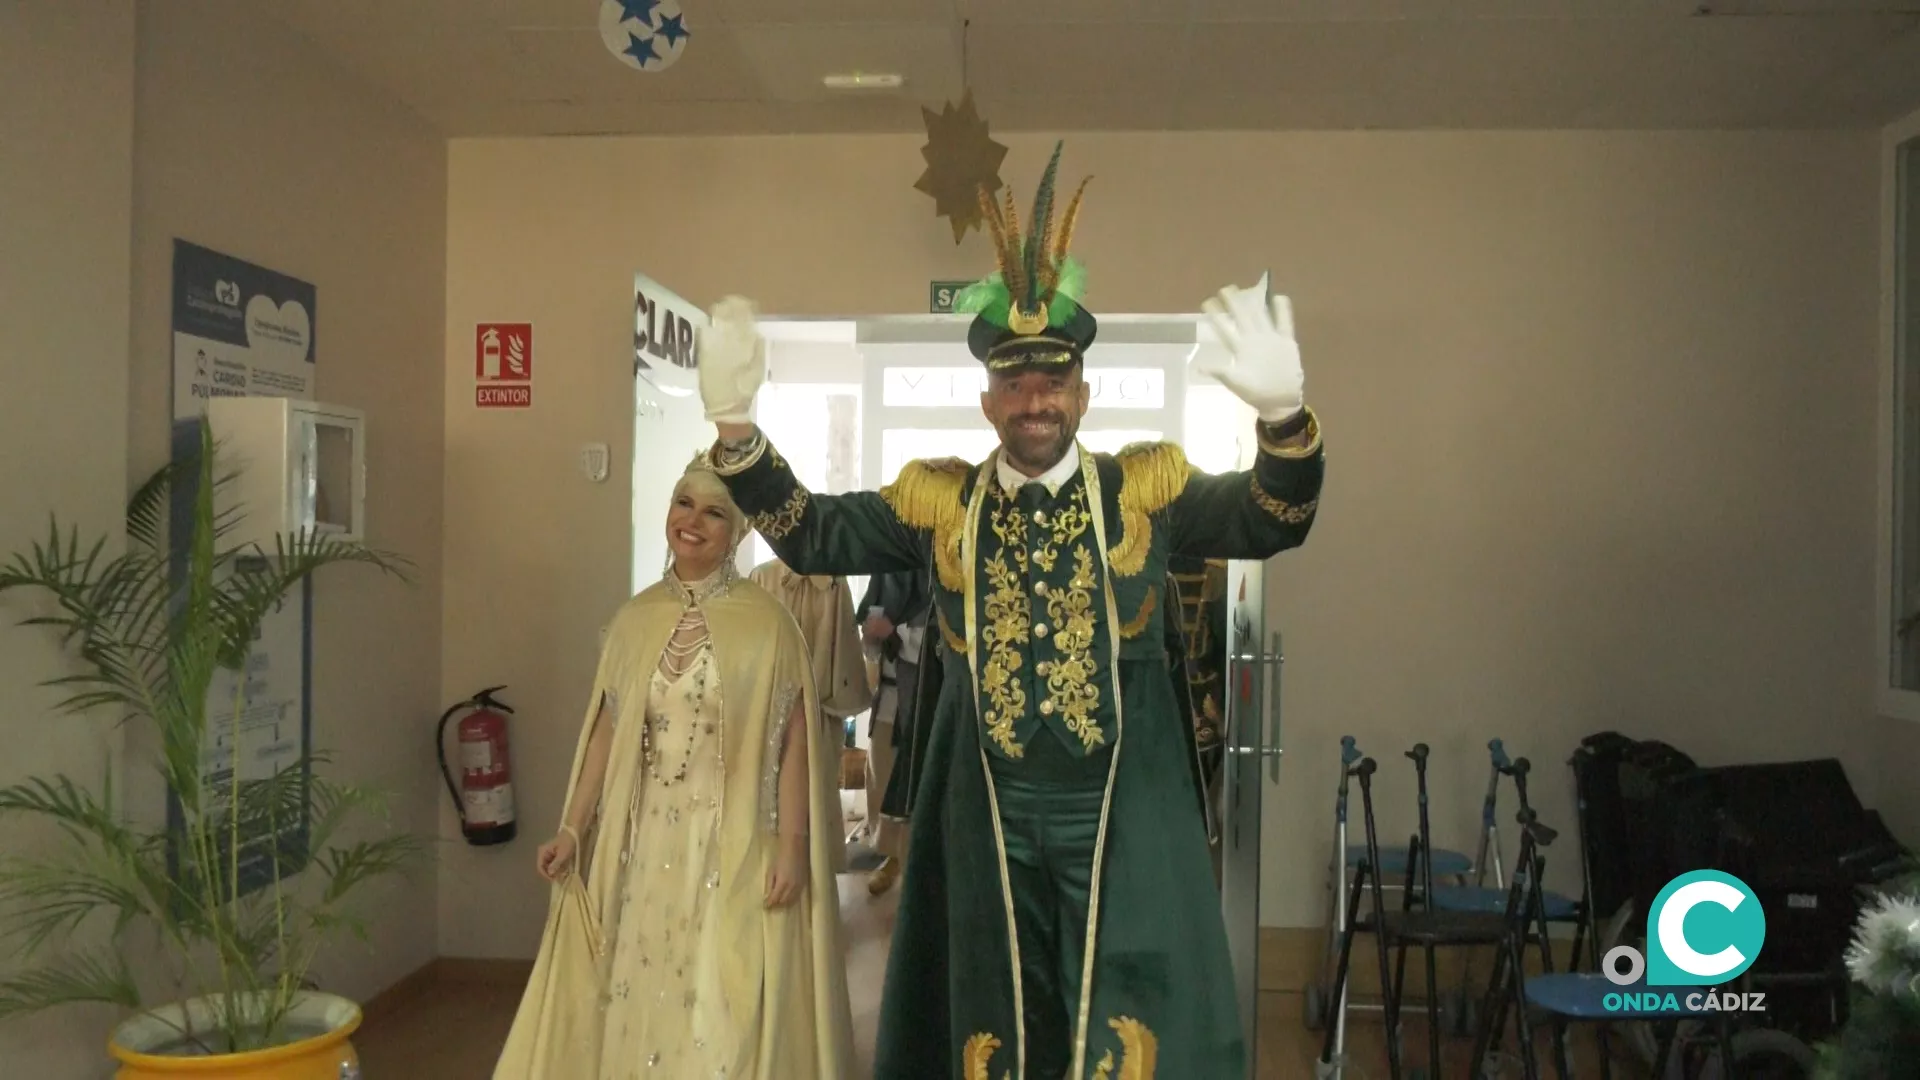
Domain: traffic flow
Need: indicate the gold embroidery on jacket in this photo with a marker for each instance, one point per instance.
(1009, 621)
(1139, 1051)
(977, 1056)
(1010, 526)
(1139, 1054)
(1136, 625)
(1152, 475)
(1070, 686)
(775, 525)
(1291, 513)
(926, 495)
(1066, 526)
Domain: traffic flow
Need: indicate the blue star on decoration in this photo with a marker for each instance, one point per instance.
(672, 30)
(641, 50)
(640, 11)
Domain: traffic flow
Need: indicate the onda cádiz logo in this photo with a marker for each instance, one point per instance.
(1704, 929)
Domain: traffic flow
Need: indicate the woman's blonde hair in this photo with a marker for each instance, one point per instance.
(700, 479)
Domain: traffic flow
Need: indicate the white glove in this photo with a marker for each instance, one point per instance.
(732, 361)
(1262, 364)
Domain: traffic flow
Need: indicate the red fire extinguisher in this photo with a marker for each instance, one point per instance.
(484, 796)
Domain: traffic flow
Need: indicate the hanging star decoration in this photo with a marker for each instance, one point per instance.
(646, 35)
(962, 161)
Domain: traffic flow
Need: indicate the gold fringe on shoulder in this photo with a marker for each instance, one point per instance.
(1152, 475)
(926, 495)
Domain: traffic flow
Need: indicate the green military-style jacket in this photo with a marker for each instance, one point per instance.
(1049, 611)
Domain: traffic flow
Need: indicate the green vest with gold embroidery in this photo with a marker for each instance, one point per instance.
(1040, 607)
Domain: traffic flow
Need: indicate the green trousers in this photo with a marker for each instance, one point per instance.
(1050, 816)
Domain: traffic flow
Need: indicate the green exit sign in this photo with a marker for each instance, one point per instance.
(940, 296)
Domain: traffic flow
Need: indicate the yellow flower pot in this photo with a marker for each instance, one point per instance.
(320, 1023)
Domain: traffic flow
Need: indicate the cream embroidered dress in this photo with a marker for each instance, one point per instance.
(660, 959)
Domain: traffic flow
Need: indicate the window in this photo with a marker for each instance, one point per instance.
(901, 445)
(960, 387)
(1110, 440)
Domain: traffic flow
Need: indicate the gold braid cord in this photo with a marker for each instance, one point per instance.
(1137, 625)
(954, 641)
(1152, 475)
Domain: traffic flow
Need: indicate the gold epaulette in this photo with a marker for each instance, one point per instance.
(1152, 475)
(926, 495)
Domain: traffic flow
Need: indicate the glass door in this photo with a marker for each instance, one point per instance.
(669, 424)
(1252, 741)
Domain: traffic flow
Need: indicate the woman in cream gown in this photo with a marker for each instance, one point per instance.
(693, 931)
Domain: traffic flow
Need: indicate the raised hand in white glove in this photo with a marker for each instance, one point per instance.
(732, 361)
(1261, 363)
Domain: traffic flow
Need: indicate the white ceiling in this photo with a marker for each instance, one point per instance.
(537, 67)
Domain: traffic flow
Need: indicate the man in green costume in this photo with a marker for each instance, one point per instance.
(1059, 917)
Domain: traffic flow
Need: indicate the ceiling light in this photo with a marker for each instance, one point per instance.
(860, 80)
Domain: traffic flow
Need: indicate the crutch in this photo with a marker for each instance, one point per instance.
(1461, 1010)
(1332, 1064)
(1319, 1009)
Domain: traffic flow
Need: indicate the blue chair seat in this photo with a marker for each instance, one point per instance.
(1494, 901)
(1581, 995)
(1394, 860)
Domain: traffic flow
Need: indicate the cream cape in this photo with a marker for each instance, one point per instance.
(783, 970)
(823, 606)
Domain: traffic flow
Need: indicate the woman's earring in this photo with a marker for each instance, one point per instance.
(668, 568)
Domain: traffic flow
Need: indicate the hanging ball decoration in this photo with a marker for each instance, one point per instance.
(645, 35)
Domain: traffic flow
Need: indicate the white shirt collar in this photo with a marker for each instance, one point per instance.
(1012, 479)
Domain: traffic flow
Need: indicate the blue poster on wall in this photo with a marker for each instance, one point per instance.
(242, 330)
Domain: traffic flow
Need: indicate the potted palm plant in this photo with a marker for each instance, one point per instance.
(250, 876)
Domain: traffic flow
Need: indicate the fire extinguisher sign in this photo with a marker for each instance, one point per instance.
(503, 365)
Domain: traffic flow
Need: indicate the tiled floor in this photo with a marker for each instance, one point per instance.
(453, 1031)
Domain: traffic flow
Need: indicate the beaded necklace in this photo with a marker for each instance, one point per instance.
(681, 656)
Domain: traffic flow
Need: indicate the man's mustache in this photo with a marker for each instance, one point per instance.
(1052, 418)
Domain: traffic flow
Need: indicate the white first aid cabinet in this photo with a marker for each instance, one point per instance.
(291, 467)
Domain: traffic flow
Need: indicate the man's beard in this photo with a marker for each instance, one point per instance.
(1036, 454)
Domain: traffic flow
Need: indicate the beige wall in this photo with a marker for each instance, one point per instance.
(66, 193)
(1598, 406)
(249, 142)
